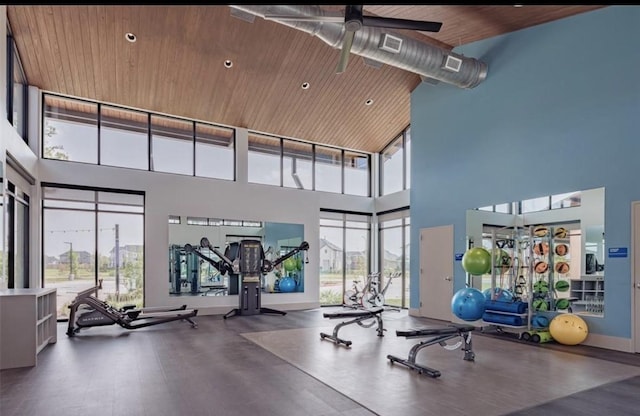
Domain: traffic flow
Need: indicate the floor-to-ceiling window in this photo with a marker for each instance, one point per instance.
(345, 239)
(16, 225)
(93, 237)
(18, 237)
(394, 255)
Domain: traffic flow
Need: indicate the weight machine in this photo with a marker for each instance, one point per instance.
(246, 259)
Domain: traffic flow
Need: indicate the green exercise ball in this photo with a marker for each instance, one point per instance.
(476, 261)
(290, 264)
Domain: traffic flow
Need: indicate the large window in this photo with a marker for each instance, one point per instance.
(70, 130)
(394, 228)
(264, 159)
(395, 164)
(85, 131)
(93, 237)
(215, 152)
(171, 145)
(17, 236)
(328, 164)
(295, 164)
(16, 89)
(343, 252)
(124, 138)
(356, 174)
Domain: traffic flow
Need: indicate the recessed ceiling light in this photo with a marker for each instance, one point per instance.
(305, 85)
(518, 5)
(368, 102)
(228, 63)
(130, 37)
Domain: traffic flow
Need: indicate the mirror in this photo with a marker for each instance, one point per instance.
(560, 270)
(191, 275)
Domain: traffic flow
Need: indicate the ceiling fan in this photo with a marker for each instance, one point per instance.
(354, 20)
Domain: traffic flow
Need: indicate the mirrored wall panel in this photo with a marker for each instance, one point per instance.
(196, 269)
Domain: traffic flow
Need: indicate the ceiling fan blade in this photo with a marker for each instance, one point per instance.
(392, 23)
(346, 50)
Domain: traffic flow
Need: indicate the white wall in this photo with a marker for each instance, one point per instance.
(170, 194)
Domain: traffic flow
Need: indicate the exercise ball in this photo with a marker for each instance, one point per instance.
(498, 293)
(476, 261)
(468, 304)
(568, 329)
(290, 264)
(287, 284)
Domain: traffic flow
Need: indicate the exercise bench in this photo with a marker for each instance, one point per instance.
(356, 317)
(436, 336)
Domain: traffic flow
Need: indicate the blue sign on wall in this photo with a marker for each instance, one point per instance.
(459, 256)
(617, 252)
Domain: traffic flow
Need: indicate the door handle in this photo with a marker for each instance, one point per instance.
(638, 285)
(448, 278)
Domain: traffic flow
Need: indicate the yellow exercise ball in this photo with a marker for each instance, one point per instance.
(568, 329)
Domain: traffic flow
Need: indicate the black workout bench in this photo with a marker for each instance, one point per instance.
(358, 316)
(437, 336)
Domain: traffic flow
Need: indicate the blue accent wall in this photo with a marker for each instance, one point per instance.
(558, 112)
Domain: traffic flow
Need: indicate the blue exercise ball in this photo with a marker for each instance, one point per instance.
(287, 284)
(468, 304)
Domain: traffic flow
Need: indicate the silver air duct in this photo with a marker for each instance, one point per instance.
(379, 44)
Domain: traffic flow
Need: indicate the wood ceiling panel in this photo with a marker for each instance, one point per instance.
(466, 24)
(176, 65)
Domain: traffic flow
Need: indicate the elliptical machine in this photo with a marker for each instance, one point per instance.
(246, 258)
(88, 311)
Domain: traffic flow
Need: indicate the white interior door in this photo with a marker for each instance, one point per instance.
(635, 261)
(436, 272)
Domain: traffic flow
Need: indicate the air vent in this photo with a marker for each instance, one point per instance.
(452, 63)
(390, 43)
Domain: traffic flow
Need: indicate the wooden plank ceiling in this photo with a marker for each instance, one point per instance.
(176, 65)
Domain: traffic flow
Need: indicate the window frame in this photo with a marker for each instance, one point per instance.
(11, 55)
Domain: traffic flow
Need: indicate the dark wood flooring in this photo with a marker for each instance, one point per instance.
(277, 365)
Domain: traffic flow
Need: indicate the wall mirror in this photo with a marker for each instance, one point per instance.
(549, 249)
(190, 275)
